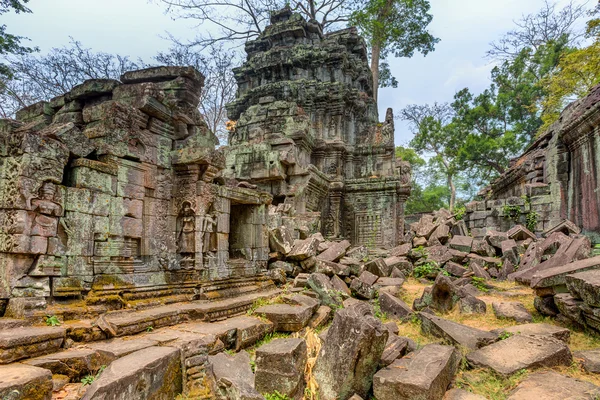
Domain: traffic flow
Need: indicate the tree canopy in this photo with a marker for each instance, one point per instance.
(11, 44)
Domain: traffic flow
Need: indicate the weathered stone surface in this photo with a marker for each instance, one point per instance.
(469, 304)
(395, 348)
(320, 317)
(25, 382)
(280, 367)
(590, 359)
(545, 306)
(401, 250)
(521, 352)
(511, 310)
(393, 307)
(455, 269)
(281, 240)
(154, 372)
(378, 267)
(510, 251)
(304, 249)
(324, 289)
(552, 385)
(569, 306)
(426, 374)
(496, 238)
(19, 343)
(556, 276)
(231, 377)
(519, 232)
(301, 280)
(586, 286)
(454, 333)
(362, 287)
(118, 348)
(460, 394)
(339, 285)
(74, 363)
(286, 317)
(335, 251)
(538, 329)
(342, 371)
(461, 243)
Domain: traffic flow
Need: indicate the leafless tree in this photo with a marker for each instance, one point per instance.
(41, 77)
(220, 85)
(242, 20)
(534, 30)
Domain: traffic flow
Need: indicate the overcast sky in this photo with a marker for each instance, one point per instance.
(136, 27)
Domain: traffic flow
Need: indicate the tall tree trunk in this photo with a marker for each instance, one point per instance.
(375, 52)
(452, 192)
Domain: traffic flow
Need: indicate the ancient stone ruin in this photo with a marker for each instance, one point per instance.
(307, 132)
(555, 179)
(137, 261)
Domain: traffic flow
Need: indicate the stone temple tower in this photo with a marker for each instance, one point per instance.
(307, 131)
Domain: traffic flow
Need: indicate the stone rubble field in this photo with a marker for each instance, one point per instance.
(443, 316)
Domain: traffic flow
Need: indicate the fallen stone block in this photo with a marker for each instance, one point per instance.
(301, 280)
(545, 306)
(280, 367)
(483, 248)
(286, 317)
(231, 377)
(455, 269)
(378, 267)
(552, 385)
(569, 307)
(19, 343)
(555, 277)
(510, 251)
(511, 310)
(154, 372)
(325, 290)
(335, 251)
(521, 352)
(426, 374)
(330, 268)
(454, 333)
(537, 329)
(439, 236)
(339, 285)
(320, 317)
(460, 394)
(585, 286)
(362, 287)
(73, 363)
(495, 238)
(590, 359)
(519, 232)
(461, 243)
(281, 240)
(343, 371)
(401, 251)
(20, 381)
(395, 347)
(304, 249)
(393, 307)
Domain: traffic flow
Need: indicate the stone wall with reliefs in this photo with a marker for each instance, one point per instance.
(108, 193)
(557, 178)
(307, 131)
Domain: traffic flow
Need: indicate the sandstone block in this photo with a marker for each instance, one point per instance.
(552, 385)
(25, 382)
(280, 367)
(511, 310)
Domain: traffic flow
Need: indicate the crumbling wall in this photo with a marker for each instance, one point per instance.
(109, 192)
(556, 178)
(307, 131)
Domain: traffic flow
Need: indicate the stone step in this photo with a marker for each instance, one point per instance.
(130, 323)
(20, 381)
(74, 363)
(151, 373)
(20, 343)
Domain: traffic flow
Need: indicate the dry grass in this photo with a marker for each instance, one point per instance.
(485, 382)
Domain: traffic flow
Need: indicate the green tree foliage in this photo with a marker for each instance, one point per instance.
(11, 44)
(437, 137)
(397, 27)
(577, 72)
(427, 193)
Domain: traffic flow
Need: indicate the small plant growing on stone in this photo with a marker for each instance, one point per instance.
(427, 269)
(505, 335)
(89, 379)
(459, 212)
(276, 396)
(512, 212)
(531, 220)
(52, 320)
(377, 307)
(479, 283)
(149, 329)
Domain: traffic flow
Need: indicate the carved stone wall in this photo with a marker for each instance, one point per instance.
(108, 193)
(556, 178)
(307, 131)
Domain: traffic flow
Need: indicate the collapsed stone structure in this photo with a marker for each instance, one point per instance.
(556, 178)
(307, 132)
(114, 192)
(111, 191)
